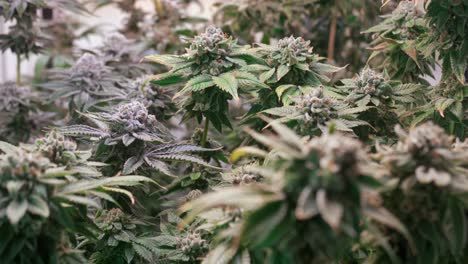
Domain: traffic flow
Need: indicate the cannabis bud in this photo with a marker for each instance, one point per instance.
(54, 144)
(134, 117)
(115, 220)
(293, 47)
(317, 107)
(339, 154)
(426, 175)
(193, 194)
(116, 45)
(208, 41)
(13, 96)
(425, 155)
(20, 185)
(87, 72)
(368, 81)
(406, 8)
(192, 243)
(427, 137)
(244, 179)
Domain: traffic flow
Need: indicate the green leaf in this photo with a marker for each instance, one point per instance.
(443, 103)
(255, 68)
(355, 110)
(85, 185)
(282, 88)
(16, 210)
(168, 78)
(167, 60)
(184, 157)
(281, 111)
(37, 206)
(326, 68)
(198, 83)
(159, 166)
(143, 252)
(132, 164)
(128, 139)
(262, 224)
(267, 75)
(282, 71)
(456, 228)
(306, 207)
(248, 80)
(228, 83)
(331, 212)
(80, 200)
(384, 217)
(458, 66)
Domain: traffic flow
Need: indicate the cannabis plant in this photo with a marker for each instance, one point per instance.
(64, 152)
(20, 115)
(314, 112)
(312, 206)
(427, 178)
(446, 35)
(89, 83)
(187, 245)
(122, 55)
(396, 38)
(291, 68)
(381, 99)
(157, 99)
(212, 72)
(445, 41)
(120, 239)
(129, 137)
(42, 201)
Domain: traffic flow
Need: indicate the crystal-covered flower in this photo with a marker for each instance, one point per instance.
(292, 48)
(116, 45)
(427, 155)
(20, 185)
(87, 72)
(193, 194)
(192, 243)
(339, 154)
(406, 8)
(209, 40)
(13, 96)
(155, 98)
(368, 81)
(54, 143)
(427, 137)
(134, 117)
(317, 107)
(114, 221)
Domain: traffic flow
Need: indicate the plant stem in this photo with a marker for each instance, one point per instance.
(18, 69)
(205, 133)
(159, 7)
(332, 37)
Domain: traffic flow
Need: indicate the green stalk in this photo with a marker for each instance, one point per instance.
(18, 69)
(205, 133)
(159, 7)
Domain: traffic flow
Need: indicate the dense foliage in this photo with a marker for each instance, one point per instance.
(276, 132)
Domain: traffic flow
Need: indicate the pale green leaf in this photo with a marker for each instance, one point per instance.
(228, 83)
